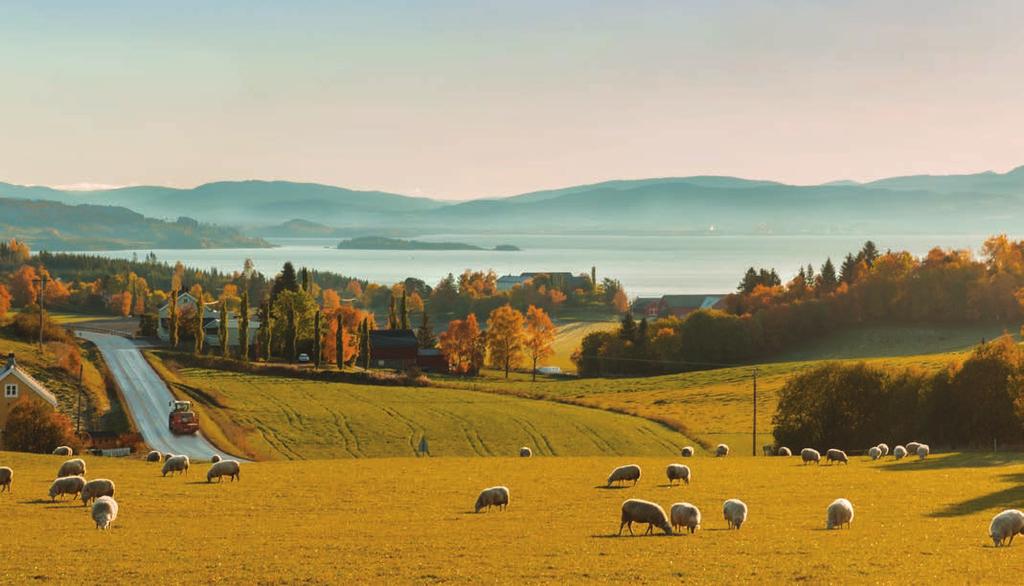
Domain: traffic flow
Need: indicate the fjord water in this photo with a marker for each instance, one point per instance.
(646, 265)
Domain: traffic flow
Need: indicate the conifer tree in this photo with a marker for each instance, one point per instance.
(627, 329)
(222, 331)
(339, 341)
(425, 334)
(403, 313)
(243, 327)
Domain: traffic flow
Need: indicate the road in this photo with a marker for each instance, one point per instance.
(147, 397)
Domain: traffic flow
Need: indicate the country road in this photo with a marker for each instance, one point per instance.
(147, 397)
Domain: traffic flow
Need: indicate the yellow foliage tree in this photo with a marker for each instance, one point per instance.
(540, 335)
(505, 338)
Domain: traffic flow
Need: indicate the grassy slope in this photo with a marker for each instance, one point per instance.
(296, 419)
(410, 520)
(568, 340)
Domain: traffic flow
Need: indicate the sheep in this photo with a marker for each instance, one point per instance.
(721, 450)
(678, 472)
(1005, 526)
(74, 467)
(72, 485)
(63, 451)
(912, 447)
(834, 455)
(496, 496)
(224, 468)
(885, 449)
(922, 451)
(175, 464)
(839, 513)
(6, 478)
(624, 473)
(810, 455)
(685, 515)
(899, 452)
(215, 458)
(104, 511)
(95, 489)
(783, 451)
(875, 453)
(525, 452)
(167, 456)
(153, 456)
(735, 512)
(640, 511)
(686, 452)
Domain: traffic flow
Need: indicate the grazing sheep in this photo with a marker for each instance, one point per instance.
(624, 473)
(63, 451)
(912, 447)
(6, 478)
(1005, 526)
(678, 472)
(175, 464)
(685, 515)
(496, 496)
(525, 452)
(735, 512)
(104, 511)
(783, 451)
(74, 467)
(810, 455)
(835, 455)
(167, 456)
(721, 450)
(224, 468)
(875, 453)
(839, 513)
(899, 452)
(640, 511)
(153, 456)
(922, 451)
(215, 458)
(686, 452)
(884, 448)
(72, 485)
(95, 489)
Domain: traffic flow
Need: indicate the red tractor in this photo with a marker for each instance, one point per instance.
(182, 419)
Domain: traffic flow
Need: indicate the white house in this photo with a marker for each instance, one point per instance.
(211, 321)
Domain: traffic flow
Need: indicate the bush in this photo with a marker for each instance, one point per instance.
(33, 426)
(26, 326)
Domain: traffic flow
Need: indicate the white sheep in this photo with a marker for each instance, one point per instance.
(1005, 526)
(835, 455)
(885, 449)
(167, 456)
(678, 472)
(153, 456)
(624, 473)
(74, 467)
(641, 511)
(175, 464)
(496, 496)
(215, 458)
(685, 515)
(224, 468)
(686, 452)
(875, 453)
(735, 512)
(721, 450)
(810, 455)
(63, 451)
(72, 485)
(912, 447)
(922, 451)
(899, 452)
(525, 452)
(95, 489)
(6, 478)
(104, 511)
(839, 513)
(783, 451)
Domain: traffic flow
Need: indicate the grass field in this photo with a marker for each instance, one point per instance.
(411, 520)
(300, 419)
(568, 339)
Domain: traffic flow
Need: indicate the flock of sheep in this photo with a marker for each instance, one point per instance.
(71, 481)
(839, 513)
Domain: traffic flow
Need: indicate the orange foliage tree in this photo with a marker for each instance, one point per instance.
(505, 338)
(540, 335)
(33, 426)
(24, 291)
(5, 300)
(462, 344)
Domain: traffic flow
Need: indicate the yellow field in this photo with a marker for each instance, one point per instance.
(411, 520)
(568, 339)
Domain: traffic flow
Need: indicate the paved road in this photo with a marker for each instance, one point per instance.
(147, 397)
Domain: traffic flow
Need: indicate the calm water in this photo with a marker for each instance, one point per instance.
(651, 265)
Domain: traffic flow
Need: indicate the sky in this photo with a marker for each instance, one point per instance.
(464, 99)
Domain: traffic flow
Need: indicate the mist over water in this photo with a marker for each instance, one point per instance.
(646, 265)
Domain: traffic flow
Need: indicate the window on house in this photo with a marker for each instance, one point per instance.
(10, 391)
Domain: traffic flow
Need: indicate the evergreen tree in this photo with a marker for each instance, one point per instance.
(305, 278)
(284, 281)
(641, 333)
(316, 339)
(627, 329)
(266, 332)
(173, 317)
(869, 253)
(827, 278)
(403, 313)
(243, 327)
(848, 270)
(339, 341)
(364, 343)
(200, 333)
(749, 282)
(425, 334)
(222, 331)
(392, 316)
(291, 339)
(809, 281)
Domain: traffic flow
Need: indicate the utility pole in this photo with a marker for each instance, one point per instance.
(753, 436)
(78, 417)
(41, 281)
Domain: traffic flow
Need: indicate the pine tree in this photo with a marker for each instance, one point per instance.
(339, 341)
(392, 316)
(848, 270)
(173, 316)
(809, 281)
(827, 277)
(750, 281)
(304, 277)
(222, 332)
(266, 333)
(641, 332)
(627, 329)
(316, 339)
(200, 333)
(284, 281)
(425, 334)
(403, 313)
(364, 344)
(243, 327)
(869, 253)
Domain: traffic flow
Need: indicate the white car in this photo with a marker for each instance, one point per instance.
(303, 357)
(549, 370)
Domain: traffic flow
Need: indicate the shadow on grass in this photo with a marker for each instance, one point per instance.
(1000, 499)
(626, 535)
(956, 460)
(613, 487)
(681, 484)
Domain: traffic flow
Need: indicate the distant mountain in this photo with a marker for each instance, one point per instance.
(51, 225)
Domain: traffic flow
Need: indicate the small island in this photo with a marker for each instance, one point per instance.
(383, 243)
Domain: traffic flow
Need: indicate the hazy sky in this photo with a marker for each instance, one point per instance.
(463, 99)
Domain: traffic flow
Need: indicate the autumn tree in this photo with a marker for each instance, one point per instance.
(33, 426)
(505, 338)
(461, 344)
(539, 336)
(121, 303)
(403, 312)
(199, 331)
(176, 284)
(23, 288)
(620, 302)
(339, 339)
(5, 300)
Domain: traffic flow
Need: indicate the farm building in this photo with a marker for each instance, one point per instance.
(19, 384)
(674, 305)
(646, 307)
(211, 321)
(562, 281)
(396, 349)
(431, 360)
